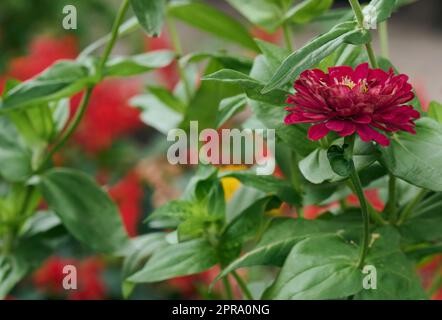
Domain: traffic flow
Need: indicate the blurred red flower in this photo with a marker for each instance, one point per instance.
(169, 75)
(273, 37)
(128, 194)
(372, 196)
(49, 278)
(43, 52)
(108, 116)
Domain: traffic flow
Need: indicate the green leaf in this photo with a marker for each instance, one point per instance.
(294, 136)
(384, 9)
(40, 236)
(323, 267)
(416, 158)
(316, 166)
(235, 62)
(338, 162)
(137, 64)
(274, 55)
(229, 107)
(316, 50)
(168, 98)
(242, 228)
(142, 249)
(150, 15)
(435, 111)
(264, 13)
(277, 241)
(425, 223)
(269, 184)
(250, 86)
(157, 113)
(85, 209)
(12, 270)
(203, 107)
(176, 260)
(15, 158)
(243, 198)
(211, 20)
(307, 10)
(63, 79)
(396, 275)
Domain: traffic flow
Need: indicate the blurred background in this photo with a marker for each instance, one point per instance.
(127, 156)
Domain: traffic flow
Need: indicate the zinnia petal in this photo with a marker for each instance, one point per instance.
(318, 131)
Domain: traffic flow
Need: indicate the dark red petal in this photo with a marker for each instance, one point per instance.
(360, 73)
(348, 129)
(317, 131)
(368, 134)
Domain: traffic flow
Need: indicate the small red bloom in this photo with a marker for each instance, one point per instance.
(169, 75)
(49, 278)
(109, 115)
(348, 101)
(128, 194)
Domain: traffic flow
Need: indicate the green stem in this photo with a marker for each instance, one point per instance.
(179, 50)
(86, 97)
(374, 215)
(411, 205)
(114, 35)
(12, 230)
(357, 185)
(360, 19)
(383, 38)
(71, 128)
(390, 208)
(287, 36)
(228, 288)
(246, 292)
(371, 56)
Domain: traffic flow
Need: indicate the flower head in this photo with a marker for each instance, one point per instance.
(348, 101)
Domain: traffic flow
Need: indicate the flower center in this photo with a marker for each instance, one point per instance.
(348, 82)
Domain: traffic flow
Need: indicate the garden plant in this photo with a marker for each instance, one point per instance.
(350, 133)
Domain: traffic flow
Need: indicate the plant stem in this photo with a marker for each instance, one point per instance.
(357, 186)
(360, 19)
(246, 292)
(383, 37)
(179, 50)
(114, 35)
(12, 230)
(228, 288)
(71, 128)
(287, 36)
(411, 205)
(87, 95)
(390, 207)
(375, 216)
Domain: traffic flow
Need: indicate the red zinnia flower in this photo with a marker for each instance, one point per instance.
(348, 101)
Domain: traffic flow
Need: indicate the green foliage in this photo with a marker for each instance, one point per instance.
(416, 158)
(86, 210)
(150, 14)
(310, 259)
